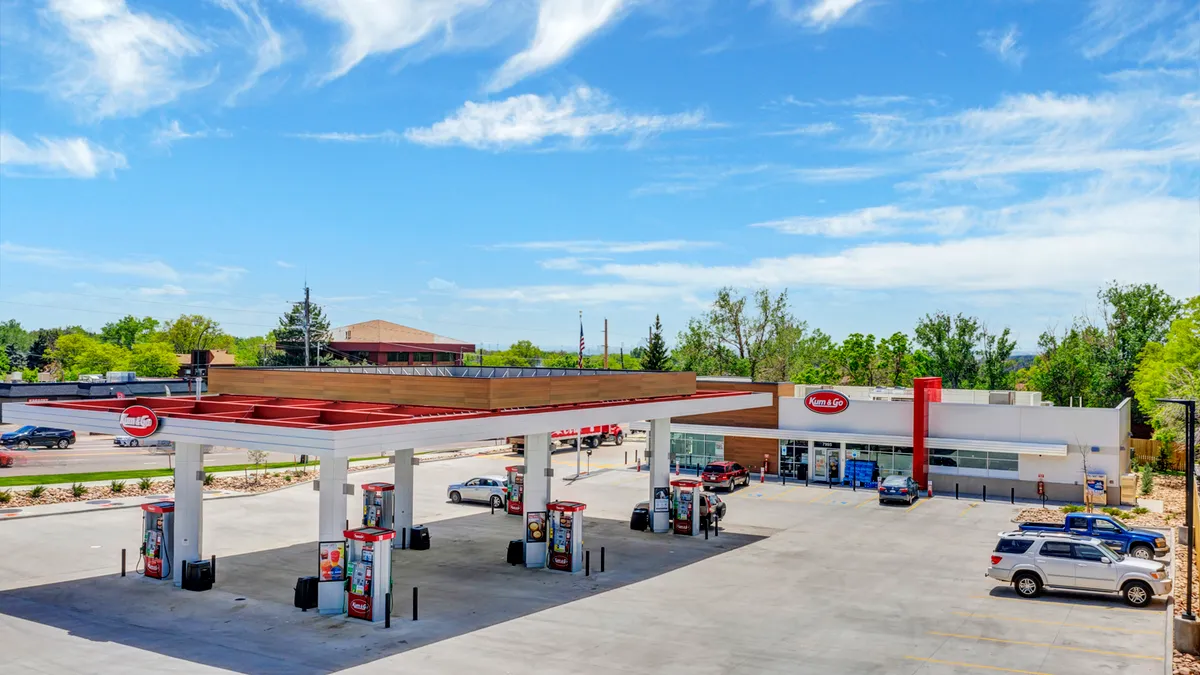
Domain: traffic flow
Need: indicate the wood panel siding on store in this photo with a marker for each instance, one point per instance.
(749, 452)
(452, 392)
(766, 417)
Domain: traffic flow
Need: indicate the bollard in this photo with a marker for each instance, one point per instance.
(404, 538)
(414, 603)
(601, 558)
(853, 485)
(716, 525)
(985, 493)
(956, 490)
(212, 565)
(387, 608)
(587, 563)
(706, 529)
(626, 458)
(493, 508)
(783, 477)
(1012, 495)
(1043, 501)
(122, 562)
(806, 478)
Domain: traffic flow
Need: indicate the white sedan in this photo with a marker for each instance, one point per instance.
(485, 489)
(131, 442)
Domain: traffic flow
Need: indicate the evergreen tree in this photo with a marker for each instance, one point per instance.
(289, 337)
(655, 356)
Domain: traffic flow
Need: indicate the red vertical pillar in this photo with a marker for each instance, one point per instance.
(926, 390)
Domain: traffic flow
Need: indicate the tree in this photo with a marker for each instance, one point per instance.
(526, 350)
(12, 335)
(1136, 315)
(255, 351)
(1171, 370)
(1069, 367)
(5, 364)
(994, 367)
(895, 361)
(289, 336)
(43, 342)
(950, 342)
(655, 357)
(194, 331)
(857, 357)
(153, 359)
(68, 350)
(750, 334)
(129, 331)
(697, 350)
(99, 357)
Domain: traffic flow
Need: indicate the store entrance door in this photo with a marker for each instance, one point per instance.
(835, 465)
(793, 459)
(827, 461)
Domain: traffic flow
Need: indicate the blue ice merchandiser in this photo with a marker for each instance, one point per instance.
(861, 472)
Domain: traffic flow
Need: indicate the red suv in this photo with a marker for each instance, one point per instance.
(725, 474)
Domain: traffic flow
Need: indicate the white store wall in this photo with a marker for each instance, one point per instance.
(1080, 429)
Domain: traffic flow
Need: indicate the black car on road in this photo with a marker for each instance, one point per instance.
(30, 435)
(899, 489)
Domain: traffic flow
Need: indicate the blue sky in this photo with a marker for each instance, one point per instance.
(487, 168)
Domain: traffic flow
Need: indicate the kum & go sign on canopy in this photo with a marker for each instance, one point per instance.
(826, 402)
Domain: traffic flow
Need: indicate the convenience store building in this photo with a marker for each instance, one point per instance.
(1000, 441)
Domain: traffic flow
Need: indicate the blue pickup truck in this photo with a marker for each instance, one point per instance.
(1119, 536)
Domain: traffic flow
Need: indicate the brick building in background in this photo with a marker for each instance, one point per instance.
(390, 344)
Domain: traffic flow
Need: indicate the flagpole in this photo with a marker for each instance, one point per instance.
(579, 431)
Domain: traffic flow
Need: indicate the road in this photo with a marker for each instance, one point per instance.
(96, 452)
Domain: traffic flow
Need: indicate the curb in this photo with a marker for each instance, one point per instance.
(1169, 634)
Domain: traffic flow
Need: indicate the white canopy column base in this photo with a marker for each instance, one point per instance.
(333, 490)
(659, 449)
(537, 493)
(402, 517)
(189, 507)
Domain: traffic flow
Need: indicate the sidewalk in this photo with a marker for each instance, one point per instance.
(133, 501)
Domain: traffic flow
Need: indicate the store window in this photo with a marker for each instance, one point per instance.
(696, 450)
(397, 357)
(422, 357)
(793, 459)
(973, 463)
(445, 356)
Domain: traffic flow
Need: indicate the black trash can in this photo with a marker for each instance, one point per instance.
(306, 593)
(197, 576)
(640, 520)
(516, 552)
(420, 538)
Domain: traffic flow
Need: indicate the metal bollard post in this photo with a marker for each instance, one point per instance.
(414, 603)
(956, 490)
(122, 562)
(853, 485)
(626, 458)
(601, 558)
(783, 478)
(706, 529)
(806, 478)
(493, 508)
(587, 563)
(387, 607)
(1012, 495)
(212, 565)
(716, 526)
(985, 493)
(404, 538)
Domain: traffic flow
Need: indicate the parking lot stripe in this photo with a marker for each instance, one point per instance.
(865, 502)
(1134, 631)
(781, 493)
(918, 503)
(966, 510)
(819, 497)
(1067, 604)
(961, 664)
(1148, 657)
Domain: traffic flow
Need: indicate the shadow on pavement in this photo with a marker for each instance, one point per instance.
(247, 622)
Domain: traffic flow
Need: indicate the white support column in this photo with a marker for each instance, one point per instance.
(189, 507)
(659, 449)
(537, 492)
(331, 595)
(402, 517)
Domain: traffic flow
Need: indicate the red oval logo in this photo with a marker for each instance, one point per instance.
(826, 402)
(359, 605)
(139, 421)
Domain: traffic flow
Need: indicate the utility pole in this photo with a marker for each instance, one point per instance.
(622, 356)
(307, 317)
(606, 344)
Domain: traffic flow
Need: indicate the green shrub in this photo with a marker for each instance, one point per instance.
(117, 486)
(145, 484)
(1147, 484)
(287, 477)
(1139, 510)
(1070, 508)
(78, 490)
(1113, 511)
(208, 479)
(5, 496)
(37, 491)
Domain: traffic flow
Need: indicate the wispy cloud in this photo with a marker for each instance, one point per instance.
(284, 264)
(165, 290)
(528, 119)
(595, 246)
(174, 132)
(817, 129)
(876, 220)
(74, 157)
(57, 259)
(387, 136)
(562, 26)
(718, 47)
(836, 174)
(1110, 23)
(819, 14)
(268, 45)
(440, 284)
(372, 28)
(117, 62)
(1004, 44)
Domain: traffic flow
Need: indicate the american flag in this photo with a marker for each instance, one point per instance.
(580, 344)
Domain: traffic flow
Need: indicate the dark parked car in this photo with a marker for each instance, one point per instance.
(641, 512)
(30, 435)
(899, 489)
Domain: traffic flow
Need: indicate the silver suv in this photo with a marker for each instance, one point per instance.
(1031, 561)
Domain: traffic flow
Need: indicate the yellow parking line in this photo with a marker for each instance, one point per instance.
(781, 493)
(964, 511)
(1133, 631)
(1148, 657)
(961, 664)
(818, 498)
(1066, 604)
(865, 502)
(918, 503)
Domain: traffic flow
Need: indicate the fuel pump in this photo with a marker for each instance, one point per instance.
(158, 539)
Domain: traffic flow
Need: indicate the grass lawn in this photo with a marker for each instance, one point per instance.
(53, 478)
